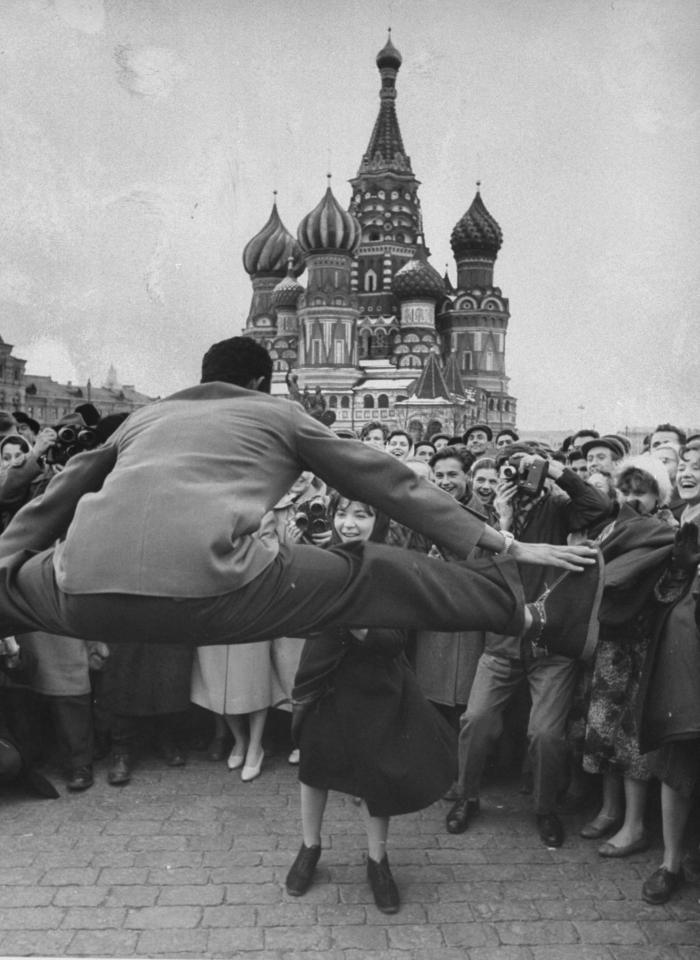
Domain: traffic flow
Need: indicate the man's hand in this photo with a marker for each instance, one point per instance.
(551, 555)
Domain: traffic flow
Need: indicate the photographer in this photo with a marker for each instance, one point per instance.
(62, 667)
(534, 514)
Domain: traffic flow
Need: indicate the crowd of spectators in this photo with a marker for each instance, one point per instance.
(603, 723)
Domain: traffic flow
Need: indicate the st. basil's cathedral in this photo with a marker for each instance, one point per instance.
(376, 327)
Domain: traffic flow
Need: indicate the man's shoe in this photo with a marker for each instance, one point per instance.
(302, 870)
(459, 815)
(550, 828)
(565, 616)
(661, 885)
(217, 749)
(384, 891)
(119, 771)
(81, 778)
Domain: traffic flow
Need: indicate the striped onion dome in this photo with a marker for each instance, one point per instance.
(328, 227)
(477, 233)
(418, 280)
(389, 56)
(288, 290)
(267, 253)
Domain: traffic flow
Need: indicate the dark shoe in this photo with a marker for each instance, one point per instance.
(302, 870)
(386, 896)
(80, 778)
(661, 885)
(461, 812)
(637, 846)
(172, 754)
(119, 770)
(565, 617)
(600, 827)
(550, 828)
(217, 749)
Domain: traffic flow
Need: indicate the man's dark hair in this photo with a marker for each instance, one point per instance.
(575, 454)
(400, 433)
(424, 443)
(454, 453)
(585, 433)
(670, 428)
(519, 448)
(237, 360)
(373, 425)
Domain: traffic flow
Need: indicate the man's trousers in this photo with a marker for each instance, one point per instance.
(305, 589)
(551, 681)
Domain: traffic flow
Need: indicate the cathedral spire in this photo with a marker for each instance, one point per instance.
(386, 150)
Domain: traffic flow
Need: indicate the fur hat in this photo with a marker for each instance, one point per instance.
(651, 466)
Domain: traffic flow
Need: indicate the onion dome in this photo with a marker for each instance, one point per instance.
(270, 249)
(288, 290)
(389, 56)
(418, 280)
(477, 234)
(328, 227)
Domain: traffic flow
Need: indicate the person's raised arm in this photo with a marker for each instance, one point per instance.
(44, 520)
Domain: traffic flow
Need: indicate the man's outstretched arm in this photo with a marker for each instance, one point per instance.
(359, 471)
(43, 521)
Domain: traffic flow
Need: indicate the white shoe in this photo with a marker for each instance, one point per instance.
(236, 757)
(251, 771)
(293, 757)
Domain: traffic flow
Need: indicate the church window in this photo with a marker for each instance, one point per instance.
(368, 401)
(394, 194)
(491, 405)
(466, 361)
(507, 406)
(489, 365)
(344, 403)
(339, 351)
(316, 351)
(400, 238)
(374, 235)
(370, 281)
(382, 401)
(333, 401)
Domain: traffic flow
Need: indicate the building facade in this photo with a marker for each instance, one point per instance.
(46, 400)
(376, 326)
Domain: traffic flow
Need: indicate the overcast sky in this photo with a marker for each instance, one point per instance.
(141, 141)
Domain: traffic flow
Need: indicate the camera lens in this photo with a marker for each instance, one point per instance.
(302, 521)
(67, 435)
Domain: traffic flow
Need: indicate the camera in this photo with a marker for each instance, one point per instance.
(69, 441)
(531, 481)
(312, 518)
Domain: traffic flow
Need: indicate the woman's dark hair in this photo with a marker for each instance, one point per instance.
(381, 521)
(454, 452)
(237, 360)
(373, 425)
(15, 440)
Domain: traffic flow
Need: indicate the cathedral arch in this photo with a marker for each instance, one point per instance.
(368, 401)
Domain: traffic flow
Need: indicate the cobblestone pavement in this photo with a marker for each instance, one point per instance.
(190, 862)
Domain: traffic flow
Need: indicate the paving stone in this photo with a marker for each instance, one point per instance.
(103, 943)
(359, 937)
(299, 938)
(610, 931)
(227, 943)
(195, 894)
(36, 943)
(110, 876)
(26, 896)
(153, 943)
(543, 931)
(258, 893)
(94, 917)
(57, 877)
(672, 931)
(31, 918)
(79, 896)
(132, 895)
(162, 918)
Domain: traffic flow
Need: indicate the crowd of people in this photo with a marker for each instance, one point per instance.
(396, 710)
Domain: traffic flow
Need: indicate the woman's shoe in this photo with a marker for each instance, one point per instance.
(301, 872)
(384, 891)
(294, 756)
(637, 846)
(236, 757)
(252, 770)
(600, 827)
